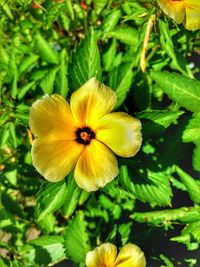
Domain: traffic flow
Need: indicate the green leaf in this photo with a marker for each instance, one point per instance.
(174, 149)
(120, 81)
(125, 230)
(166, 41)
(156, 121)
(83, 197)
(24, 89)
(154, 189)
(72, 197)
(13, 136)
(99, 5)
(192, 130)
(69, 7)
(48, 82)
(27, 63)
(43, 251)
(127, 35)
(183, 90)
(178, 61)
(4, 135)
(11, 205)
(61, 76)
(114, 190)
(50, 198)
(14, 87)
(190, 236)
(196, 157)
(45, 50)
(182, 215)
(7, 10)
(2, 263)
(110, 21)
(4, 58)
(190, 183)
(109, 56)
(166, 261)
(85, 62)
(47, 223)
(6, 218)
(76, 239)
(133, 10)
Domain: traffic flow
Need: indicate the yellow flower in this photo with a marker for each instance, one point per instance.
(183, 11)
(106, 256)
(82, 136)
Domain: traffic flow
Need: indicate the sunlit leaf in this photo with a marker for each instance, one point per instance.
(183, 90)
(43, 251)
(154, 189)
(85, 62)
(76, 239)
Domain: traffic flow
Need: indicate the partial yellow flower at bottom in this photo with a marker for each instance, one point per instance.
(82, 136)
(183, 11)
(106, 256)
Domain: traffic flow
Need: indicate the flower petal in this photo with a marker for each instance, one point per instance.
(51, 118)
(192, 14)
(174, 9)
(55, 160)
(92, 101)
(120, 132)
(96, 167)
(104, 254)
(130, 256)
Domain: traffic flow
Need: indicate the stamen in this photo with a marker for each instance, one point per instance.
(84, 135)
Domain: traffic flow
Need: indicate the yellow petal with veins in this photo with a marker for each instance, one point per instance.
(96, 167)
(102, 256)
(92, 101)
(51, 118)
(192, 14)
(174, 9)
(130, 256)
(120, 132)
(54, 160)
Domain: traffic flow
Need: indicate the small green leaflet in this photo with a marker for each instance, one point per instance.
(191, 133)
(156, 121)
(191, 185)
(85, 62)
(196, 157)
(77, 239)
(127, 35)
(72, 198)
(192, 130)
(182, 215)
(154, 189)
(46, 52)
(43, 251)
(120, 81)
(50, 198)
(190, 236)
(183, 90)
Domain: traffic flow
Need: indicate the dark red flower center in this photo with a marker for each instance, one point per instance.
(84, 135)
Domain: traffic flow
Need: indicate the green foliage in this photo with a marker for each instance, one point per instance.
(55, 46)
(85, 62)
(42, 251)
(77, 239)
(151, 187)
(183, 90)
(50, 198)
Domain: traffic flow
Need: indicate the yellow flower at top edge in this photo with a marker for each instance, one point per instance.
(183, 11)
(106, 256)
(82, 136)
